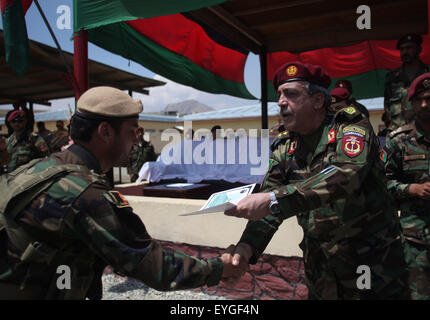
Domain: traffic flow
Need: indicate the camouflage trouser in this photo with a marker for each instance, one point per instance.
(418, 260)
(335, 277)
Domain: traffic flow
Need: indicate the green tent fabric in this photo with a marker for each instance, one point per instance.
(15, 34)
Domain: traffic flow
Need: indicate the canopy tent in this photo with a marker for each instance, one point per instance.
(45, 77)
(313, 31)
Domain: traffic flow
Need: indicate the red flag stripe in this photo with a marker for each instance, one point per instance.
(340, 62)
(187, 38)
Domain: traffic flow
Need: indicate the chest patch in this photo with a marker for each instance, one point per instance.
(352, 145)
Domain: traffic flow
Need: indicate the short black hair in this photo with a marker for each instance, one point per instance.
(82, 129)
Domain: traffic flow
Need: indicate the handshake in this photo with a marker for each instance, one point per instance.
(235, 261)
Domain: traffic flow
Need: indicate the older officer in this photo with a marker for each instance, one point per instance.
(408, 168)
(60, 212)
(326, 171)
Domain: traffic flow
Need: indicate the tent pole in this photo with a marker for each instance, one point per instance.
(80, 61)
(263, 73)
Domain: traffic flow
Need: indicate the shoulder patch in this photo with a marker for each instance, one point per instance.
(354, 130)
(117, 199)
(349, 113)
(349, 110)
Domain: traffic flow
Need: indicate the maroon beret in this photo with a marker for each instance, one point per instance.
(15, 114)
(339, 94)
(415, 38)
(298, 71)
(344, 84)
(420, 84)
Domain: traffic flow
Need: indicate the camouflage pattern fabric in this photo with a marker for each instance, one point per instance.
(396, 103)
(408, 162)
(141, 153)
(80, 223)
(335, 185)
(25, 148)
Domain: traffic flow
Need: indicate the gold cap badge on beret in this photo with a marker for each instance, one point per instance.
(426, 83)
(291, 71)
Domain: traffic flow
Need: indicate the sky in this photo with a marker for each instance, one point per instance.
(159, 97)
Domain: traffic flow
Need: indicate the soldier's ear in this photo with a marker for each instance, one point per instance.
(319, 99)
(105, 131)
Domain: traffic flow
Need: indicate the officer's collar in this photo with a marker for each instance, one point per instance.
(86, 157)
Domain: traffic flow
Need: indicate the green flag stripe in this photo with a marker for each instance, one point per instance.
(123, 40)
(15, 37)
(95, 13)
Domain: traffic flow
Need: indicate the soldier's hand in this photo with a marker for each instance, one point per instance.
(421, 190)
(235, 260)
(252, 207)
(2, 143)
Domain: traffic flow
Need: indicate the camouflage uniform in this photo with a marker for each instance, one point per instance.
(141, 153)
(79, 222)
(408, 162)
(396, 102)
(334, 182)
(25, 148)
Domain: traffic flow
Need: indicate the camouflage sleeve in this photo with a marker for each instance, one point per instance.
(4, 157)
(107, 224)
(41, 147)
(393, 170)
(258, 234)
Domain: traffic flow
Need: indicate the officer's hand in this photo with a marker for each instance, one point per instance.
(2, 143)
(235, 259)
(421, 190)
(252, 207)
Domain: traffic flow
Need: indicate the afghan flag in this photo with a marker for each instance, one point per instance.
(15, 34)
(163, 37)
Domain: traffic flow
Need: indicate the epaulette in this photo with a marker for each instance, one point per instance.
(280, 137)
(402, 129)
(348, 113)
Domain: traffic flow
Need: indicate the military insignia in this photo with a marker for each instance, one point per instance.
(118, 199)
(352, 145)
(350, 110)
(293, 146)
(426, 83)
(291, 71)
(354, 130)
(383, 155)
(331, 136)
(333, 99)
